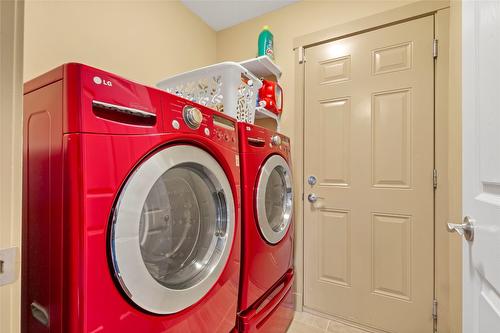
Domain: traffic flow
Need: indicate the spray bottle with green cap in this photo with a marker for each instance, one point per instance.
(266, 43)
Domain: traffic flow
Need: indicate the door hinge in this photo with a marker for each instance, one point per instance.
(302, 54)
(435, 310)
(435, 178)
(435, 48)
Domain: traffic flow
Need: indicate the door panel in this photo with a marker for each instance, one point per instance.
(481, 165)
(334, 247)
(391, 140)
(335, 128)
(369, 140)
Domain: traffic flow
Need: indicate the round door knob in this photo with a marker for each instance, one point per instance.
(276, 140)
(192, 116)
(312, 197)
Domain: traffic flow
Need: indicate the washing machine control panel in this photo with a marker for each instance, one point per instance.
(192, 116)
(224, 129)
(183, 116)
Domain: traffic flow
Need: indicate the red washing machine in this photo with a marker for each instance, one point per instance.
(265, 302)
(130, 209)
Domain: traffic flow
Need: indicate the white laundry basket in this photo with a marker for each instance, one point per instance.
(226, 87)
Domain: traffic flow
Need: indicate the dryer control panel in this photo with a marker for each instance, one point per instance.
(254, 138)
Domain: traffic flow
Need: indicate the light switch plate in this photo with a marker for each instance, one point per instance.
(8, 265)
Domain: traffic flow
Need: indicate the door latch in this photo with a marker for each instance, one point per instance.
(465, 229)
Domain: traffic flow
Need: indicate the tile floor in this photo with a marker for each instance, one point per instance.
(304, 322)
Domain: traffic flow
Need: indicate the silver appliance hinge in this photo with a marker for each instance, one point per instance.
(302, 55)
(435, 48)
(435, 178)
(435, 310)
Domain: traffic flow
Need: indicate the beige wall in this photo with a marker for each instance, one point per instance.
(240, 42)
(141, 40)
(11, 48)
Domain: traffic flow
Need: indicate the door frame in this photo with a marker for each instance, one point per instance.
(11, 120)
(446, 161)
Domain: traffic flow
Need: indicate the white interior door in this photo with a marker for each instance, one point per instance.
(481, 165)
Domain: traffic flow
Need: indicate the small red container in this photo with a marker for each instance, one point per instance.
(271, 97)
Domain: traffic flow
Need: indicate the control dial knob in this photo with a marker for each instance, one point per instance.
(276, 140)
(192, 116)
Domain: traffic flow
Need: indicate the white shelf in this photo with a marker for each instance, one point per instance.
(261, 113)
(262, 66)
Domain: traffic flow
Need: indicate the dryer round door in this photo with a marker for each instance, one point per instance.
(172, 230)
(274, 199)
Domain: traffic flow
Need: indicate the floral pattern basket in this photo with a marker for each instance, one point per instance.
(226, 87)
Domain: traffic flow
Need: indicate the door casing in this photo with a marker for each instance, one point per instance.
(11, 121)
(444, 143)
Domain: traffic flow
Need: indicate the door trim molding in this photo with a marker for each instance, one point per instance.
(11, 123)
(377, 21)
(443, 143)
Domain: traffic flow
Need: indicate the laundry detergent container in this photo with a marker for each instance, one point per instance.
(226, 87)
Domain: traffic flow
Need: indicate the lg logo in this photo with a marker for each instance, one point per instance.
(98, 80)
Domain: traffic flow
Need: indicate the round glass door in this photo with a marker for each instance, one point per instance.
(172, 230)
(274, 199)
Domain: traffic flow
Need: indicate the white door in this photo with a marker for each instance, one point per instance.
(481, 165)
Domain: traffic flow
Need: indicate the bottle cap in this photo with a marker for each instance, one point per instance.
(266, 27)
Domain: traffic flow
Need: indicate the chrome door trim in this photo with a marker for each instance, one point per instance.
(269, 234)
(129, 267)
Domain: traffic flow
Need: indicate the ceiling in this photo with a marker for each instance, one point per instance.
(222, 14)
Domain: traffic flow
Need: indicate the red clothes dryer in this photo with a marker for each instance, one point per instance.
(265, 301)
(130, 208)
